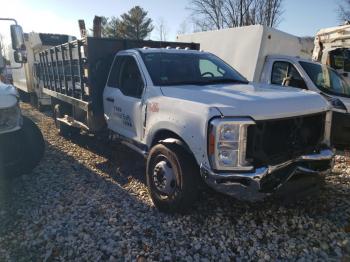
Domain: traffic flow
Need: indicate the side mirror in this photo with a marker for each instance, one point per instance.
(20, 57)
(17, 38)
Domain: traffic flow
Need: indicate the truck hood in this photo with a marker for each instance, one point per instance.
(258, 101)
(8, 95)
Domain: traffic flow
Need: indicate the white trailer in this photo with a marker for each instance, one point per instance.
(26, 79)
(245, 48)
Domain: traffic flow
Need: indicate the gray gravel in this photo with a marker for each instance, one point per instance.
(88, 203)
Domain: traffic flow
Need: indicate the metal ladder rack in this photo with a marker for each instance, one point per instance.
(63, 69)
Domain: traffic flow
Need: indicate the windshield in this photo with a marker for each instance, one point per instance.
(340, 59)
(326, 79)
(167, 69)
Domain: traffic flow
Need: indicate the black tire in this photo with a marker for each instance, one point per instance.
(2, 165)
(63, 130)
(33, 145)
(186, 171)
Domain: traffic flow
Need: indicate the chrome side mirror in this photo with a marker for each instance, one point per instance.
(17, 38)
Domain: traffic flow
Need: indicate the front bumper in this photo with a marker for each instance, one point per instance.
(264, 181)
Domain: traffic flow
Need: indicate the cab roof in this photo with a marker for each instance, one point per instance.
(147, 50)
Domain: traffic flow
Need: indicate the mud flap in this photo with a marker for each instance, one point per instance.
(341, 130)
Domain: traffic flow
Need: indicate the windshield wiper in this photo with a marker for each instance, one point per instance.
(206, 82)
(225, 80)
(178, 83)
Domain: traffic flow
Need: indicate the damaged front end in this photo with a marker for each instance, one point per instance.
(277, 153)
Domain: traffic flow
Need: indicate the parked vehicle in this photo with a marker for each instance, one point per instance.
(21, 142)
(275, 58)
(26, 79)
(306, 74)
(192, 116)
(332, 48)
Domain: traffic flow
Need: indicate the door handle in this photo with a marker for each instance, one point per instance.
(109, 99)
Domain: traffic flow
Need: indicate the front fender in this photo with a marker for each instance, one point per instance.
(189, 122)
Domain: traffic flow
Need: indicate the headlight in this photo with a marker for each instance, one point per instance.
(227, 144)
(10, 118)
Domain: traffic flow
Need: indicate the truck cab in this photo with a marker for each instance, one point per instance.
(305, 74)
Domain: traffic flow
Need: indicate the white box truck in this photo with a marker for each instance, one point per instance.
(245, 48)
(266, 55)
(26, 79)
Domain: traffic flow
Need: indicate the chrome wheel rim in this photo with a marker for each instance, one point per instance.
(164, 177)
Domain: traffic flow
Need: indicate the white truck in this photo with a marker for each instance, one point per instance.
(26, 79)
(332, 48)
(21, 142)
(266, 55)
(193, 118)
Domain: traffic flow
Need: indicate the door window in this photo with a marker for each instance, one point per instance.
(115, 72)
(130, 81)
(285, 74)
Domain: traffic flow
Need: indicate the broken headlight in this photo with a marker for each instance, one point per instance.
(227, 144)
(10, 118)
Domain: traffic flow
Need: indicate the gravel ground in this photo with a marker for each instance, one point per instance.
(88, 203)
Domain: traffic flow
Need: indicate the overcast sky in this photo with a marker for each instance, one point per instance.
(301, 17)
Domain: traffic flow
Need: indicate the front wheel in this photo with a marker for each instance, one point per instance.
(172, 178)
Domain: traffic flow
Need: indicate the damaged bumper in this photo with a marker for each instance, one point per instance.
(264, 181)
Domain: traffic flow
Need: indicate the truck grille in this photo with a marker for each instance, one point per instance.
(275, 141)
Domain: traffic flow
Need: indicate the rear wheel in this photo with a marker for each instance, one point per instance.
(172, 178)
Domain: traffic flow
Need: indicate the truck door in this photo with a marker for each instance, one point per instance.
(122, 97)
(284, 73)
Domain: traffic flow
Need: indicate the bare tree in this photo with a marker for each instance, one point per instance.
(209, 12)
(183, 28)
(217, 14)
(4, 48)
(2, 45)
(162, 29)
(344, 10)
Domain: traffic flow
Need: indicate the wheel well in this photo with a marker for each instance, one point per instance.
(164, 134)
(167, 134)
